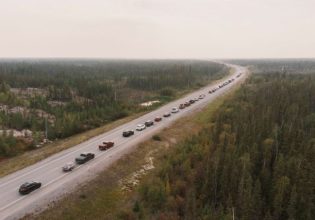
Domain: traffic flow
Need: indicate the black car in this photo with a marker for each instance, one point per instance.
(28, 187)
(166, 114)
(128, 133)
(148, 123)
(84, 157)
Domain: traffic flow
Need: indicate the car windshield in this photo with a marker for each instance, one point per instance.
(25, 184)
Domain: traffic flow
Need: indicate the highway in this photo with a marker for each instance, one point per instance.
(56, 183)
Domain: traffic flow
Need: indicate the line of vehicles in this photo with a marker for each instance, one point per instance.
(28, 187)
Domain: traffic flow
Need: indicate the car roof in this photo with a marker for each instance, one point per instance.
(28, 183)
(25, 184)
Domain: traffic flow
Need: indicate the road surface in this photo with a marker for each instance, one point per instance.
(56, 183)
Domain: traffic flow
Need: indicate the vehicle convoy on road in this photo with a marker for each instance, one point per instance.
(106, 145)
(128, 133)
(84, 157)
(68, 167)
(149, 123)
(28, 187)
(140, 127)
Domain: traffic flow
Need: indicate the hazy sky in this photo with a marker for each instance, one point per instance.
(157, 28)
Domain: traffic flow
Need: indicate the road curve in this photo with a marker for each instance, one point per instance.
(56, 183)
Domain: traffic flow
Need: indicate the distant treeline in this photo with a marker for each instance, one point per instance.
(148, 74)
(89, 93)
(255, 160)
(293, 66)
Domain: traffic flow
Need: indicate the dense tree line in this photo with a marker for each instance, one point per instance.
(254, 160)
(296, 66)
(90, 93)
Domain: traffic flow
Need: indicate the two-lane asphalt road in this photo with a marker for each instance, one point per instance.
(56, 183)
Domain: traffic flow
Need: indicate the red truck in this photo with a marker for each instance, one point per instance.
(106, 145)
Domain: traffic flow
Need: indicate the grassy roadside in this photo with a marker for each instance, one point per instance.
(28, 158)
(108, 195)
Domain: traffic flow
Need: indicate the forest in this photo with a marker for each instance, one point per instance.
(291, 66)
(57, 98)
(254, 160)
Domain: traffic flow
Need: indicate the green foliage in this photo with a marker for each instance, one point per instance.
(91, 93)
(256, 158)
(156, 138)
(167, 92)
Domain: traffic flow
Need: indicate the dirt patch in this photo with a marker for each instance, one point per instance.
(130, 182)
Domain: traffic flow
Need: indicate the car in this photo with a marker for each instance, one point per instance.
(167, 114)
(140, 127)
(187, 104)
(191, 101)
(196, 99)
(182, 106)
(175, 110)
(149, 123)
(157, 119)
(202, 96)
(84, 157)
(106, 145)
(28, 187)
(128, 133)
(68, 167)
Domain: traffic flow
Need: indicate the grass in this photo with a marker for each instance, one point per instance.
(16, 163)
(103, 197)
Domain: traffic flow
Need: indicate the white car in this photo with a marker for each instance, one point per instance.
(68, 167)
(202, 96)
(140, 127)
(175, 110)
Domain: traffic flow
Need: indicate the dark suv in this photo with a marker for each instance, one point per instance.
(128, 133)
(84, 157)
(148, 123)
(28, 187)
